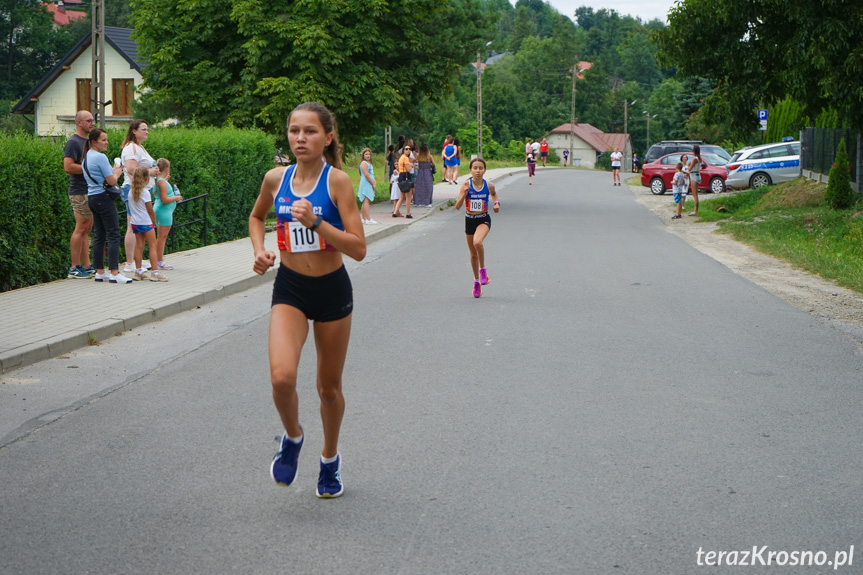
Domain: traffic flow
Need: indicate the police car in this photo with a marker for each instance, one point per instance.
(759, 166)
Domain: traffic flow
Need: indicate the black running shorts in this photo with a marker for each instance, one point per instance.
(328, 297)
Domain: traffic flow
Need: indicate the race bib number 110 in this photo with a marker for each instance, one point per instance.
(302, 239)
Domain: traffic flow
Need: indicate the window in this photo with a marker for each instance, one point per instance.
(122, 95)
(82, 95)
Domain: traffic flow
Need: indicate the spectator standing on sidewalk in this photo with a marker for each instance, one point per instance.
(367, 187)
(425, 178)
(73, 154)
(106, 226)
(543, 151)
(132, 156)
(165, 199)
(317, 222)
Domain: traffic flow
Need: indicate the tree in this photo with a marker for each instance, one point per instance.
(29, 45)
(761, 51)
(249, 62)
(839, 194)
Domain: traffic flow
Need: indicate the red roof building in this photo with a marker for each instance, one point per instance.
(61, 15)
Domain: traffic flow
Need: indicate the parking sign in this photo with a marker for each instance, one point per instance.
(762, 114)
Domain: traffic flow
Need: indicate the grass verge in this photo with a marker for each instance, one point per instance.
(791, 221)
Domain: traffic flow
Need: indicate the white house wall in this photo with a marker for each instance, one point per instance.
(581, 154)
(55, 110)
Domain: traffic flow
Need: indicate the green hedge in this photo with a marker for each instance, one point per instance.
(36, 218)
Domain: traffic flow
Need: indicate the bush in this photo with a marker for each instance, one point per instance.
(36, 219)
(839, 194)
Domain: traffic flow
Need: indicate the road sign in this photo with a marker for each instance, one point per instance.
(762, 114)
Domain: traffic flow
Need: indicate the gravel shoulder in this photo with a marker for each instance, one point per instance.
(838, 306)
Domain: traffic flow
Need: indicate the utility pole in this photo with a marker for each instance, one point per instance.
(97, 81)
(572, 111)
(388, 139)
(478, 104)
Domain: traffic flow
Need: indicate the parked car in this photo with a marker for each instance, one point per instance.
(763, 165)
(657, 175)
(660, 149)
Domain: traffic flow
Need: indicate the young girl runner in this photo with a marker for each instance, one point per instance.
(141, 218)
(317, 221)
(164, 204)
(368, 185)
(474, 194)
(531, 165)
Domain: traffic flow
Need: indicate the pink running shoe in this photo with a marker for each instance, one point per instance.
(477, 290)
(483, 277)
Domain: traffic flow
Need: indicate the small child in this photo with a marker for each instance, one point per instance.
(678, 185)
(531, 166)
(395, 192)
(141, 218)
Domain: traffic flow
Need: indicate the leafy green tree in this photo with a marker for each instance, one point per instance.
(637, 60)
(29, 45)
(839, 194)
(248, 63)
(786, 118)
(761, 51)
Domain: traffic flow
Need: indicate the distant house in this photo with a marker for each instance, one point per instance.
(61, 15)
(66, 88)
(586, 143)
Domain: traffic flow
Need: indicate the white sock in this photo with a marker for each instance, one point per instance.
(327, 460)
(294, 439)
(141, 270)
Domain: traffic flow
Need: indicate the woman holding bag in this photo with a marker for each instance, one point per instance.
(106, 227)
(406, 166)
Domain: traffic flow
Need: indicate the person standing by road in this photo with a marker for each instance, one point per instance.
(106, 227)
(367, 187)
(543, 151)
(475, 194)
(73, 153)
(616, 158)
(132, 156)
(425, 178)
(565, 156)
(405, 168)
(166, 197)
(455, 169)
(449, 161)
(317, 222)
(695, 176)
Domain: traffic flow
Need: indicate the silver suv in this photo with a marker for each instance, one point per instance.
(763, 165)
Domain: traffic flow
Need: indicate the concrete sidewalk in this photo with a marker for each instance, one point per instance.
(48, 320)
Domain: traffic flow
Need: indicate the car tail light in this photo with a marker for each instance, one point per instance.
(732, 167)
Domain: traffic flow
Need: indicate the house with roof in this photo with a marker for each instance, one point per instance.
(586, 143)
(66, 88)
(62, 16)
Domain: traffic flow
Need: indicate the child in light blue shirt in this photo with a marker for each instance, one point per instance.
(678, 186)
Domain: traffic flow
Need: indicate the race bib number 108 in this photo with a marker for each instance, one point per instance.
(477, 206)
(302, 239)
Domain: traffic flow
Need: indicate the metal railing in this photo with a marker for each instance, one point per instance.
(202, 219)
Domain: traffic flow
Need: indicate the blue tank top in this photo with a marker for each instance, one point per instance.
(476, 202)
(293, 236)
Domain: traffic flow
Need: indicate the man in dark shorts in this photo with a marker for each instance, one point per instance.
(543, 151)
(73, 153)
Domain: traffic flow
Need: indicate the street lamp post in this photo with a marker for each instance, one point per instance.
(575, 72)
(626, 104)
(647, 113)
(479, 101)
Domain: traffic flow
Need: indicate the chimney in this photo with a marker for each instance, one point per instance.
(61, 7)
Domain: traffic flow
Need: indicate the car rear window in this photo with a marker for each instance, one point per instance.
(713, 159)
(734, 157)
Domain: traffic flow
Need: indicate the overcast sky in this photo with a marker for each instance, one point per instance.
(645, 9)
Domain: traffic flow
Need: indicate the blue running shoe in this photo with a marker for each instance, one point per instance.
(330, 479)
(283, 469)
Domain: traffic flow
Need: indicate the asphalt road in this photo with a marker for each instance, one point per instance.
(615, 402)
